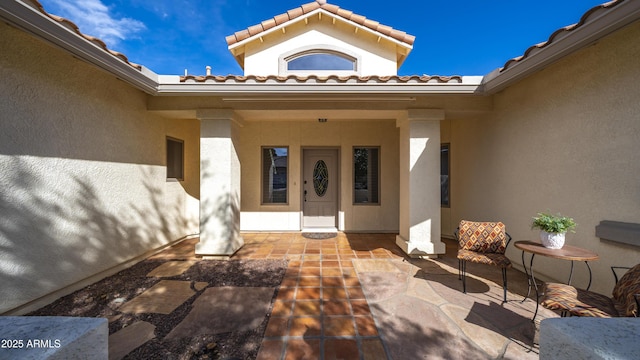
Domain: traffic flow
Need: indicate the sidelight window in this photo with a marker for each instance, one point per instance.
(366, 175)
(275, 170)
(444, 175)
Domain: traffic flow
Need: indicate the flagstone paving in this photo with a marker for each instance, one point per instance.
(171, 268)
(163, 298)
(355, 296)
(130, 338)
(225, 309)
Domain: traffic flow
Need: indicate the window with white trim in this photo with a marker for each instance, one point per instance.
(275, 170)
(175, 158)
(366, 175)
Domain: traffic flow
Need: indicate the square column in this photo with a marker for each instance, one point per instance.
(219, 185)
(420, 212)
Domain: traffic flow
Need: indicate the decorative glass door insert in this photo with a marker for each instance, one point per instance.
(320, 178)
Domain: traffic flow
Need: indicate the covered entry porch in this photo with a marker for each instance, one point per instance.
(248, 155)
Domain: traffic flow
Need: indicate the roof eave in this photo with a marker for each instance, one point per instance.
(261, 89)
(23, 16)
(602, 24)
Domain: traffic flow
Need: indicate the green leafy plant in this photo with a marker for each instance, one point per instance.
(553, 223)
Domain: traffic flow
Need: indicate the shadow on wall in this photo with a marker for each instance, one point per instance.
(51, 238)
(220, 221)
(219, 216)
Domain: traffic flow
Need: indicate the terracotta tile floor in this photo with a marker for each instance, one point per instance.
(320, 310)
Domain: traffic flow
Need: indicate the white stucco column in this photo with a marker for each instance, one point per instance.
(420, 183)
(219, 184)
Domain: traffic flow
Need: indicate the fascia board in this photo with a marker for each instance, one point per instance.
(316, 89)
(17, 13)
(603, 24)
(313, 13)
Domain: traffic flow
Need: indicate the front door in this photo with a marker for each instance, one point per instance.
(320, 188)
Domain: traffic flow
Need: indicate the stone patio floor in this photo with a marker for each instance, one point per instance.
(354, 296)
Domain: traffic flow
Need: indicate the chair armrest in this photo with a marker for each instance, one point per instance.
(508, 239)
(615, 274)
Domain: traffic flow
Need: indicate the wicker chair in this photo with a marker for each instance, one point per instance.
(482, 243)
(624, 302)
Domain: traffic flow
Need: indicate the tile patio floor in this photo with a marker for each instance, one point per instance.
(356, 296)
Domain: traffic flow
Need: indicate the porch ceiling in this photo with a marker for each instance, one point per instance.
(315, 114)
(299, 115)
(261, 107)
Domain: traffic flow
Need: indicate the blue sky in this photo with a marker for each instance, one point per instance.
(465, 37)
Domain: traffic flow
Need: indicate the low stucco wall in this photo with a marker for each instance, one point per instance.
(83, 183)
(563, 140)
(344, 135)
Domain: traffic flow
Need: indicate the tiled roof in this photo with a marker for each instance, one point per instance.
(332, 79)
(73, 27)
(560, 33)
(312, 6)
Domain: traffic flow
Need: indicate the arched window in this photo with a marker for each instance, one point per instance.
(321, 60)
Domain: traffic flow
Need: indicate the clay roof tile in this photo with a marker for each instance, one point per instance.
(372, 24)
(255, 29)
(331, 8)
(294, 13)
(344, 13)
(241, 35)
(307, 8)
(313, 79)
(321, 4)
(560, 33)
(268, 24)
(281, 19)
(73, 27)
(388, 30)
(358, 19)
(231, 39)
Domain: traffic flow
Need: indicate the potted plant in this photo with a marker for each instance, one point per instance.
(553, 229)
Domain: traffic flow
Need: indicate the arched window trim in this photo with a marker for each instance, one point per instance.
(284, 59)
(351, 59)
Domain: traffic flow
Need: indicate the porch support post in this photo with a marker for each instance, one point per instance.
(219, 185)
(420, 183)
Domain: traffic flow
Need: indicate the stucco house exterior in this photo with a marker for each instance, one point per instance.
(104, 161)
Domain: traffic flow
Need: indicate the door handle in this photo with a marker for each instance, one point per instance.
(305, 196)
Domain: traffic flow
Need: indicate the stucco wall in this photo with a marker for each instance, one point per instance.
(563, 140)
(82, 183)
(308, 134)
(375, 58)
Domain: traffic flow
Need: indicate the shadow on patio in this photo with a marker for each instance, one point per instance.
(421, 311)
(418, 307)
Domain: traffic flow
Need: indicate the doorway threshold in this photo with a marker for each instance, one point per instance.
(319, 230)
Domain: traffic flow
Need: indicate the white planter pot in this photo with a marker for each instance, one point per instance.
(552, 240)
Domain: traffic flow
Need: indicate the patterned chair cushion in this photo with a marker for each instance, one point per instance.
(577, 301)
(495, 259)
(625, 290)
(482, 237)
